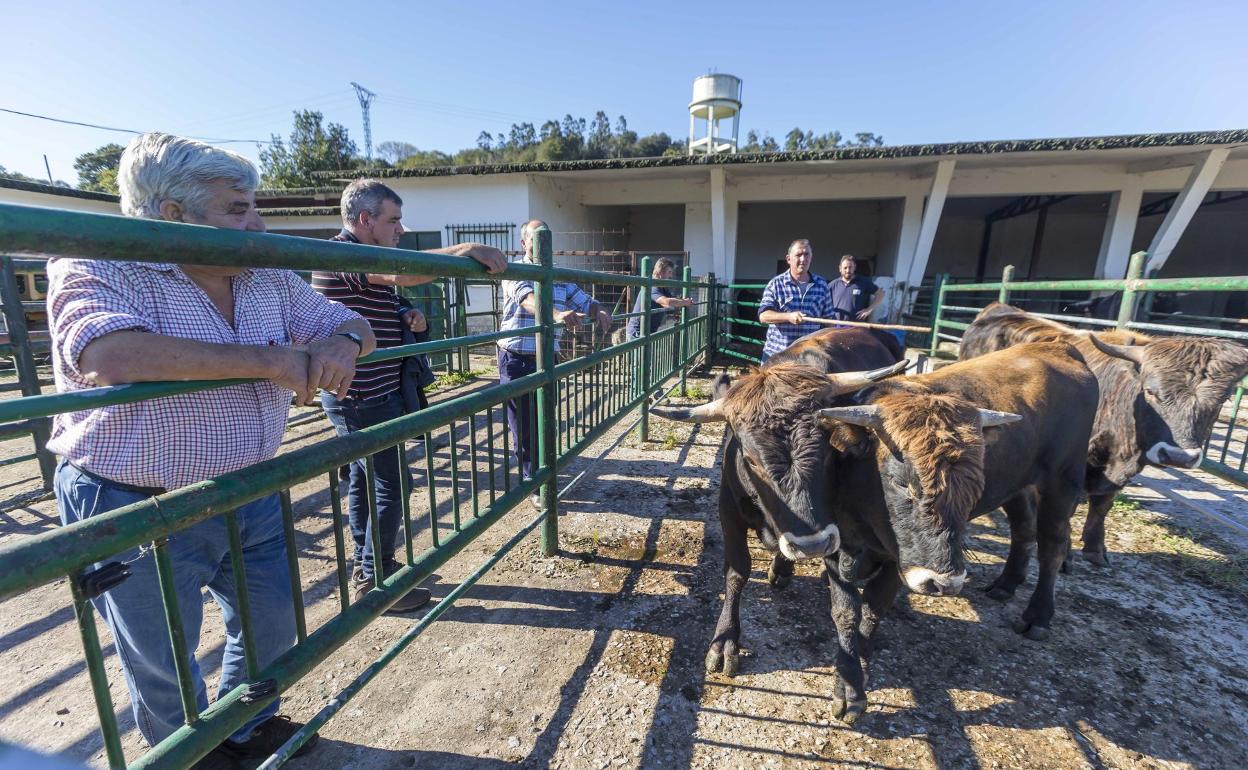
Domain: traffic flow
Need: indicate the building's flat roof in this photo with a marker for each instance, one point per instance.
(907, 151)
(50, 189)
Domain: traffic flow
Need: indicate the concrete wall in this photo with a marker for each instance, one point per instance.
(697, 240)
(433, 203)
(833, 227)
(656, 228)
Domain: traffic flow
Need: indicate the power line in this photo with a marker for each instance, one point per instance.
(129, 130)
(366, 98)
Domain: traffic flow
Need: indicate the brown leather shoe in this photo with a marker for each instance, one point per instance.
(412, 600)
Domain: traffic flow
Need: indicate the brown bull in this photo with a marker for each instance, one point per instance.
(1158, 400)
(920, 456)
(775, 470)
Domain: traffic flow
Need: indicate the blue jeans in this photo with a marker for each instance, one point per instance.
(201, 559)
(522, 411)
(348, 416)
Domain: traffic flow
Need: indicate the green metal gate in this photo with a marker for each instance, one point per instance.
(1227, 448)
(578, 402)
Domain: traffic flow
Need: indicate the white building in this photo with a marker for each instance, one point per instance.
(1052, 207)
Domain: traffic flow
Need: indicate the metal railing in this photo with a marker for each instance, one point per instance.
(578, 402)
(1229, 441)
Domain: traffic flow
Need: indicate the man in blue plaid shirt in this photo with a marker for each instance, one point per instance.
(517, 356)
(792, 297)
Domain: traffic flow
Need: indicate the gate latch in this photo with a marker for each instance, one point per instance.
(97, 581)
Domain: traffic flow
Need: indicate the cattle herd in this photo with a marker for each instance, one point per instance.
(832, 454)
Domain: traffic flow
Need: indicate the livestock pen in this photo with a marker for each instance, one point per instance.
(578, 401)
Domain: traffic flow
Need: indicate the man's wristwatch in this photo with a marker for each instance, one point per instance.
(357, 339)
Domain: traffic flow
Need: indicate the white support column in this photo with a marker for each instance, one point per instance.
(1124, 212)
(931, 218)
(719, 224)
(907, 239)
(1198, 183)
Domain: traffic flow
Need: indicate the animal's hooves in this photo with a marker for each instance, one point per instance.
(1096, 558)
(838, 707)
(1000, 593)
(1031, 630)
(714, 660)
(732, 664)
(853, 710)
(1068, 566)
(778, 580)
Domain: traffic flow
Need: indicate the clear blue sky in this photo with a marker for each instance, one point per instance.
(910, 71)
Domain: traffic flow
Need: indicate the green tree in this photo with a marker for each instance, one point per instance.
(97, 170)
(312, 147)
(395, 153)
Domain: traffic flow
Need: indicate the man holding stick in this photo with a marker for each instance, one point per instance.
(792, 297)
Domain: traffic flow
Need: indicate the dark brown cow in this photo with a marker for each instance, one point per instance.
(1159, 398)
(920, 456)
(775, 470)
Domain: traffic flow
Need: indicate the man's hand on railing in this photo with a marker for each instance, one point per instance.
(491, 258)
(331, 366)
(415, 320)
(291, 372)
(569, 318)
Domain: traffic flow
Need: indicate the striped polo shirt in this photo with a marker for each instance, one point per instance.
(380, 307)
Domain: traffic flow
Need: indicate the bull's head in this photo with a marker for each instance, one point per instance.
(929, 452)
(1181, 384)
(784, 450)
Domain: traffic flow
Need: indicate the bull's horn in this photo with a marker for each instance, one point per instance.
(848, 382)
(989, 418)
(709, 412)
(1132, 353)
(868, 416)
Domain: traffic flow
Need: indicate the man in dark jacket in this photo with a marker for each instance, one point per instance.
(372, 215)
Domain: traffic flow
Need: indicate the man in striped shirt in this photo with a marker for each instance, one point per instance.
(372, 215)
(792, 297)
(517, 356)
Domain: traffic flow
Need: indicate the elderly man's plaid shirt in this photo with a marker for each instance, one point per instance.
(785, 295)
(177, 440)
(568, 296)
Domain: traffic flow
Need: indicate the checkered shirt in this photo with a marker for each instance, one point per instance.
(568, 296)
(177, 440)
(786, 295)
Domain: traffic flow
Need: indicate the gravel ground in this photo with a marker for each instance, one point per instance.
(593, 658)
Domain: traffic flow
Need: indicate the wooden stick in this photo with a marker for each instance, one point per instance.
(864, 325)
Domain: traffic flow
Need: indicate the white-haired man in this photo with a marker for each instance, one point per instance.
(517, 356)
(372, 214)
(123, 322)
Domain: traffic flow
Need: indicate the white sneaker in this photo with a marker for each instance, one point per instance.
(536, 500)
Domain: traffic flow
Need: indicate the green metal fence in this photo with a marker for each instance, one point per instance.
(468, 482)
(1227, 448)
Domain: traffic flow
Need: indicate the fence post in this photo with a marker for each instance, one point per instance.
(546, 396)
(685, 276)
(647, 355)
(1130, 295)
(712, 324)
(24, 363)
(1007, 275)
(461, 319)
(938, 301)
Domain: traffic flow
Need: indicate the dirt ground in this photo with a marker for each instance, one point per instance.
(593, 658)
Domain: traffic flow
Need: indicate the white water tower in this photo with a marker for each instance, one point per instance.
(716, 98)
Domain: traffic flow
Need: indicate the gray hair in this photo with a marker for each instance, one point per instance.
(661, 264)
(526, 232)
(800, 242)
(159, 167)
(365, 195)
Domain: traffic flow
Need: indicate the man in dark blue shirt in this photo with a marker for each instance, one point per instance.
(661, 300)
(854, 297)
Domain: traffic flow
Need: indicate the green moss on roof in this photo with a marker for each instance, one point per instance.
(302, 211)
(1087, 143)
(47, 189)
